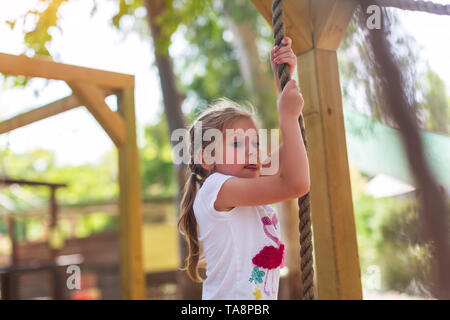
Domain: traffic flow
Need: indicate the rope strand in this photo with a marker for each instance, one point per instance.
(423, 6)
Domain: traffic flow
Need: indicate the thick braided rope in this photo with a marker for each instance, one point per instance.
(306, 248)
(424, 6)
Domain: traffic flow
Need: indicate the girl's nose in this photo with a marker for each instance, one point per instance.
(252, 151)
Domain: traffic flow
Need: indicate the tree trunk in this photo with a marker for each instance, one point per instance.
(175, 118)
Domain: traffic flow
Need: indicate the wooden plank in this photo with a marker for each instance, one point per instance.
(149, 208)
(320, 23)
(296, 20)
(298, 24)
(330, 19)
(40, 113)
(161, 277)
(7, 181)
(45, 68)
(335, 245)
(94, 100)
(132, 279)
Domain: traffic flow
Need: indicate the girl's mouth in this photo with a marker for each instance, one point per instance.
(251, 167)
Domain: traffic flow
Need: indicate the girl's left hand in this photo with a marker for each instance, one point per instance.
(283, 55)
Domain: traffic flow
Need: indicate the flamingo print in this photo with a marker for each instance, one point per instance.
(270, 257)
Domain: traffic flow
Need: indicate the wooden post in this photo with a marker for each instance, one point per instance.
(317, 28)
(5, 286)
(57, 283)
(13, 238)
(12, 277)
(335, 245)
(132, 280)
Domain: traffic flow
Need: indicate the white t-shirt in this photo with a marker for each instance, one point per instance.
(242, 247)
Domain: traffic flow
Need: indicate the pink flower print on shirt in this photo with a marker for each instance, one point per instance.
(275, 220)
(269, 257)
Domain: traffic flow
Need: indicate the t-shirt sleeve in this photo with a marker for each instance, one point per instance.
(211, 188)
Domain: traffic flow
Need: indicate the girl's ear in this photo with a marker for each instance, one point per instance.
(198, 158)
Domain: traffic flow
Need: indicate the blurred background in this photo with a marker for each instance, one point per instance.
(213, 48)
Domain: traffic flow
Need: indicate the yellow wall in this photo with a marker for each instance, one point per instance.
(160, 245)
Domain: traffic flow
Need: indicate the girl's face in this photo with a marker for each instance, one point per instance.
(240, 150)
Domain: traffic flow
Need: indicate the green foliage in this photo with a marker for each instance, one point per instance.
(157, 170)
(95, 223)
(243, 11)
(435, 101)
(388, 237)
(39, 38)
(176, 13)
(214, 71)
(359, 72)
(8, 82)
(209, 66)
(85, 182)
(126, 8)
(34, 229)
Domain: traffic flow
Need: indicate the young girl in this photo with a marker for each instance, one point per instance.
(238, 229)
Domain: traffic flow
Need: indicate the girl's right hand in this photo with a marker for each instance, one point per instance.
(290, 101)
(283, 55)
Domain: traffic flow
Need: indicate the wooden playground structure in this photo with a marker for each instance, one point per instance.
(89, 89)
(317, 29)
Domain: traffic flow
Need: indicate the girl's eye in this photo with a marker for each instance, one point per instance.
(256, 144)
(236, 144)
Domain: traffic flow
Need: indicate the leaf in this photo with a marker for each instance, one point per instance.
(11, 24)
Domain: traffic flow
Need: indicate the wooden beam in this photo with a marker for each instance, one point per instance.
(149, 207)
(319, 23)
(40, 113)
(94, 100)
(335, 245)
(330, 19)
(132, 278)
(296, 21)
(13, 290)
(45, 68)
(7, 181)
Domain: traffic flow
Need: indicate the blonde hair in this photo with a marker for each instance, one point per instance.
(221, 114)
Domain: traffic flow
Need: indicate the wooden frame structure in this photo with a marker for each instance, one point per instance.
(317, 29)
(89, 89)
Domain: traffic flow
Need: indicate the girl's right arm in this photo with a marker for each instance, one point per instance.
(293, 180)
